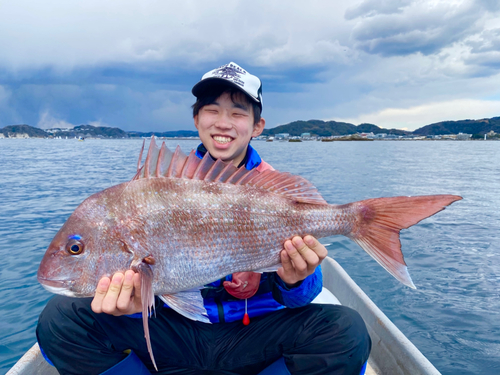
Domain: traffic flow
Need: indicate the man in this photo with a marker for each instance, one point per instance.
(81, 336)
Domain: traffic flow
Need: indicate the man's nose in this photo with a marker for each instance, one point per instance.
(223, 122)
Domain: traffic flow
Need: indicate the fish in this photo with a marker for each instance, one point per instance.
(183, 222)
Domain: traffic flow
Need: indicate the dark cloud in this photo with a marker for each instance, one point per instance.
(392, 28)
(115, 105)
(147, 97)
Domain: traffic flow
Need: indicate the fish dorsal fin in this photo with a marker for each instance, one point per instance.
(161, 162)
(157, 161)
(293, 187)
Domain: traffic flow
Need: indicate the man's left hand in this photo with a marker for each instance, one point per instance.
(300, 258)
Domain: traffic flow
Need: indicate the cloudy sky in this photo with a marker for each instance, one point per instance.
(132, 64)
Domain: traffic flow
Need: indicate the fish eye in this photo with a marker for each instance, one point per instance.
(75, 247)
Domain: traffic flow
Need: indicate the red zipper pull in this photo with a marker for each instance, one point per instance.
(246, 318)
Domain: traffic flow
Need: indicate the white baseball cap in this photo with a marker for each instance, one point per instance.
(233, 75)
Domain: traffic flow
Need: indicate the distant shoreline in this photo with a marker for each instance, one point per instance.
(297, 131)
(255, 140)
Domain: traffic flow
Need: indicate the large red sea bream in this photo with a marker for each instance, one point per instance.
(183, 222)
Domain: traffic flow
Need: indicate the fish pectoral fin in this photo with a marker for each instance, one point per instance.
(188, 303)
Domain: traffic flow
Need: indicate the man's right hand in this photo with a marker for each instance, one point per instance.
(119, 296)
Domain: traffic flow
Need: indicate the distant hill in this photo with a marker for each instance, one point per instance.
(329, 128)
(296, 128)
(23, 129)
(480, 127)
(91, 132)
(177, 133)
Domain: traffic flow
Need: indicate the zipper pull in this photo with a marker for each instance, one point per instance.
(246, 318)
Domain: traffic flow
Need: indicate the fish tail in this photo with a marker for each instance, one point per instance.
(381, 219)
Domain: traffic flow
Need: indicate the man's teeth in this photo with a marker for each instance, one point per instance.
(222, 139)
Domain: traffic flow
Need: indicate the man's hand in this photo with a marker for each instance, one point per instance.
(300, 259)
(119, 296)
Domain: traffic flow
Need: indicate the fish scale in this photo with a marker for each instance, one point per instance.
(182, 223)
(256, 228)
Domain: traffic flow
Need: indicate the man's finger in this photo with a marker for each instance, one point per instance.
(286, 262)
(111, 298)
(299, 244)
(125, 295)
(287, 270)
(137, 286)
(299, 264)
(310, 257)
(100, 293)
(316, 246)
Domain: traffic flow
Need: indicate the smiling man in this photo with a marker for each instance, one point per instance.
(225, 125)
(227, 113)
(286, 335)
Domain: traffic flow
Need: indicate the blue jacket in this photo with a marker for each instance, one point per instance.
(272, 294)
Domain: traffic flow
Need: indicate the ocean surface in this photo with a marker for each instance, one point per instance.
(453, 257)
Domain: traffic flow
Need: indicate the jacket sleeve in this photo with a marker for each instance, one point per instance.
(300, 295)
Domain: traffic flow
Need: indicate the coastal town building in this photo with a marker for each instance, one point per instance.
(18, 135)
(57, 130)
(463, 137)
(305, 136)
(282, 136)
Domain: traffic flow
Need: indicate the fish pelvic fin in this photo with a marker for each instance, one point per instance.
(188, 303)
(147, 297)
(381, 220)
(166, 163)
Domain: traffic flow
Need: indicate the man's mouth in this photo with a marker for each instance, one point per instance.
(222, 139)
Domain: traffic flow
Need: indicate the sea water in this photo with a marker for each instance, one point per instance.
(453, 257)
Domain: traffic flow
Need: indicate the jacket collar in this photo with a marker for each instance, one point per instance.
(252, 158)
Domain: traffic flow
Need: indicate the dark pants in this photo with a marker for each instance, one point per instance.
(314, 339)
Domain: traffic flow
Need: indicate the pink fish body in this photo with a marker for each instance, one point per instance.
(183, 222)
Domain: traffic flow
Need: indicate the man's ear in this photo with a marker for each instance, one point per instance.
(195, 118)
(258, 128)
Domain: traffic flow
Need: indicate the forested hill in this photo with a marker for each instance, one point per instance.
(315, 127)
(328, 128)
(23, 129)
(88, 131)
(480, 127)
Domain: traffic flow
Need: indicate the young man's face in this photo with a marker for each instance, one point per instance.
(226, 127)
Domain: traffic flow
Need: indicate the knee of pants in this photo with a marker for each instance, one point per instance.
(353, 320)
(59, 315)
(349, 324)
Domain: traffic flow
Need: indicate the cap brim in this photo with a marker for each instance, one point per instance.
(202, 86)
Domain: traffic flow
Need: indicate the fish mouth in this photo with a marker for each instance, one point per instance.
(57, 286)
(60, 290)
